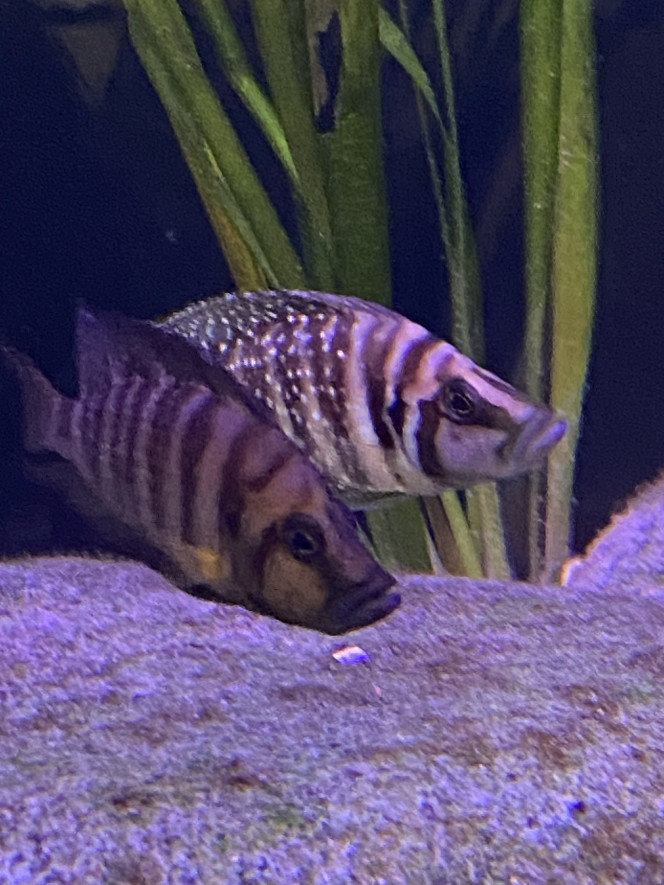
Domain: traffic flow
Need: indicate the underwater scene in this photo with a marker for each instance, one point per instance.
(100, 208)
(328, 317)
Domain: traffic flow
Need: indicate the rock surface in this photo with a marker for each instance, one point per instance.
(499, 733)
(630, 551)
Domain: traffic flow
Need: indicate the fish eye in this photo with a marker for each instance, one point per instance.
(303, 537)
(459, 401)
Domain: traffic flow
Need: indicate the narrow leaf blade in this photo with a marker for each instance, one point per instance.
(575, 263)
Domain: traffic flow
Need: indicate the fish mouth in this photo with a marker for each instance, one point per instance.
(537, 438)
(364, 604)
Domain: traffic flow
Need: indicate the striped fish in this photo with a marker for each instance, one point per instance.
(183, 455)
(379, 404)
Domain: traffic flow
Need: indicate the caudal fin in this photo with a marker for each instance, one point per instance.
(46, 412)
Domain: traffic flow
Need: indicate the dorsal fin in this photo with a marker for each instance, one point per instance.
(110, 345)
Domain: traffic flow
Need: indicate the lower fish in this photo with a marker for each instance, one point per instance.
(184, 456)
(377, 402)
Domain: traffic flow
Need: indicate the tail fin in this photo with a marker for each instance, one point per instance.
(46, 412)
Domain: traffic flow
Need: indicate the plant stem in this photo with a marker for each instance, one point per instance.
(541, 24)
(356, 179)
(575, 263)
(255, 243)
(282, 38)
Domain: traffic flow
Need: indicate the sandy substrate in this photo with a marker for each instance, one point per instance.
(497, 733)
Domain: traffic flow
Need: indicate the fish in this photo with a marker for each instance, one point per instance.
(380, 405)
(185, 457)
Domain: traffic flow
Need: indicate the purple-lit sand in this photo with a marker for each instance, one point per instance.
(497, 733)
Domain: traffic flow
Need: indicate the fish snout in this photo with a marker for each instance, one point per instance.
(538, 436)
(551, 435)
(364, 602)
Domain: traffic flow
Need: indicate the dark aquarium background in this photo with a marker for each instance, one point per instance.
(96, 204)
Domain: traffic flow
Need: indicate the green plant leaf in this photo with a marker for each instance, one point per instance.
(540, 25)
(232, 56)
(454, 542)
(484, 515)
(574, 264)
(234, 198)
(465, 285)
(282, 37)
(397, 44)
(400, 536)
(541, 22)
(356, 181)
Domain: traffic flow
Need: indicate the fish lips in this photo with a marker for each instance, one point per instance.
(363, 604)
(537, 438)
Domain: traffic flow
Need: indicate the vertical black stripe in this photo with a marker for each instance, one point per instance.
(157, 449)
(104, 403)
(90, 433)
(397, 415)
(231, 487)
(142, 474)
(77, 413)
(408, 372)
(134, 417)
(373, 360)
(106, 422)
(426, 439)
(414, 357)
(339, 396)
(274, 459)
(118, 420)
(195, 438)
(256, 594)
(65, 419)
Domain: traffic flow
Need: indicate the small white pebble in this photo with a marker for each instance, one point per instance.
(350, 654)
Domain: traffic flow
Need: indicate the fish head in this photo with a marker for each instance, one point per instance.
(302, 556)
(476, 427)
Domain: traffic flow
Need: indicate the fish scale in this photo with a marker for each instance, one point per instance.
(308, 395)
(378, 403)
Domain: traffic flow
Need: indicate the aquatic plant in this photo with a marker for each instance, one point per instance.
(337, 180)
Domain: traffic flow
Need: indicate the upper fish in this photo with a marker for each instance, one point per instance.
(183, 455)
(378, 403)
